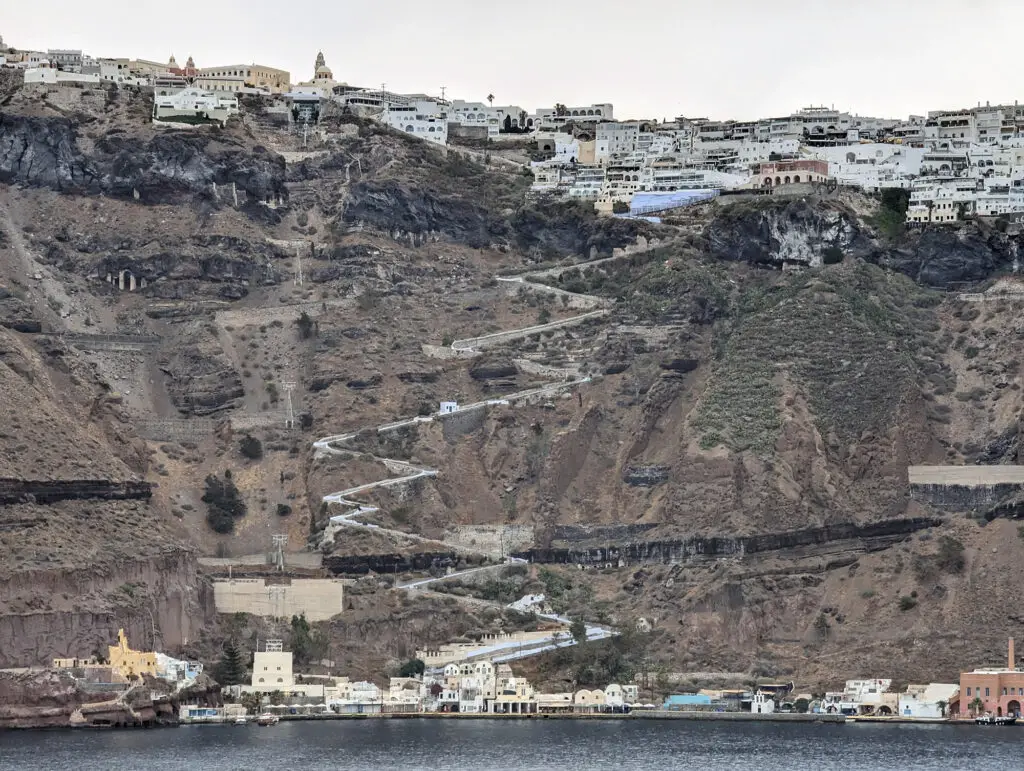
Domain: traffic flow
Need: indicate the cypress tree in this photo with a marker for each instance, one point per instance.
(231, 670)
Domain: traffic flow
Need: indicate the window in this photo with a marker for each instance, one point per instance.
(968, 691)
(261, 679)
(986, 691)
(280, 680)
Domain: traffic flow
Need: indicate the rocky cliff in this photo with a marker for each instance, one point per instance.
(168, 167)
(786, 232)
(763, 416)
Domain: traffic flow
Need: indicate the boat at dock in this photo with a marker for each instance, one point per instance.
(267, 719)
(995, 720)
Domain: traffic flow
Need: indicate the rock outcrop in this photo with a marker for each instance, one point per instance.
(785, 232)
(169, 167)
(943, 256)
(809, 231)
(21, 490)
(870, 537)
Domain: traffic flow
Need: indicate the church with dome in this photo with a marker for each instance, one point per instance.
(323, 82)
(188, 71)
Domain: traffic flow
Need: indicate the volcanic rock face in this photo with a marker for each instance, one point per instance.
(791, 233)
(943, 256)
(173, 167)
(201, 380)
(780, 233)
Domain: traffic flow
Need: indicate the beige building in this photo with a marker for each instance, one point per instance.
(587, 153)
(218, 84)
(272, 671)
(252, 75)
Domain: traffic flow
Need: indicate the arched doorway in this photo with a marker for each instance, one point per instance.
(778, 181)
(884, 710)
(999, 711)
(788, 180)
(796, 179)
(767, 182)
(1013, 708)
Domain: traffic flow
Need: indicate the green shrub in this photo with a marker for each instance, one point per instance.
(907, 603)
(283, 510)
(950, 558)
(833, 255)
(223, 502)
(251, 447)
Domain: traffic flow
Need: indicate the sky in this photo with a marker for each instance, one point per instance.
(653, 59)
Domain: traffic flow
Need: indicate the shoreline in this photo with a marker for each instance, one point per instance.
(780, 717)
(662, 715)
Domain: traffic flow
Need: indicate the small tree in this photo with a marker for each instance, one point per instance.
(942, 707)
(976, 705)
(230, 670)
(302, 641)
(251, 447)
(305, 325)
(801, 706)
(412, 668)
(224, 503)
(578, 630)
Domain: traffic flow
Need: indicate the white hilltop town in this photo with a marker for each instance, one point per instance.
(957, 162)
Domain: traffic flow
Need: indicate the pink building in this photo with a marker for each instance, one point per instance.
(993, 691)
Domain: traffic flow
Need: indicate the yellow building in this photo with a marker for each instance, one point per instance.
(253, 76)
(128, 663)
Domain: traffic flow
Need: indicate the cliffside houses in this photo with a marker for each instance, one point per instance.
(125, 665)
(195, 105)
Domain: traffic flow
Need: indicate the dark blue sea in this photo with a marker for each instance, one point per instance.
(454, 745)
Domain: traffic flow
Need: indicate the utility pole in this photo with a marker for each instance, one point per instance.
(289, 386)
(443, 90)
(382, 103)
(279, 540)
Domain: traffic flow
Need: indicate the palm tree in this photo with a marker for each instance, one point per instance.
(942, 707)
(490, 99)
(977, 705)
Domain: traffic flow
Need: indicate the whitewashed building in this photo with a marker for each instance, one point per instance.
(927, 701)
(762, 704)
(862, 697)
(428, 125)
(195, 103)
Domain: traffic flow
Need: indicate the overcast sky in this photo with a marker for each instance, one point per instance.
(651, 58)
